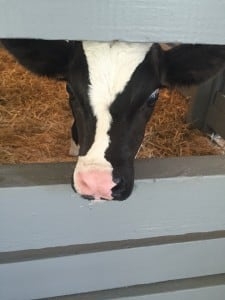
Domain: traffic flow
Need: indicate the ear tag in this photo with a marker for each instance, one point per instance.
(153, 98)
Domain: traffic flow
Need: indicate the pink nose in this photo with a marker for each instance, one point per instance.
(94, 183)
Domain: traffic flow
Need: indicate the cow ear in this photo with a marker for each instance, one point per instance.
(43, 57)
(191, 64)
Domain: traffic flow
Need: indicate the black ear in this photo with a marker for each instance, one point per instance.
(192, 64)
(43, 57)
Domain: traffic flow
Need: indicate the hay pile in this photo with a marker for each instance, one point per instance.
(35, 121)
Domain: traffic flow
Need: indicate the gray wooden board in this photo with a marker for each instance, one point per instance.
(110, 269)
(53, 215)
(216, 115)
(207, 107)
(186, 21)
(50, 173)
(203, 287)
(209, 293)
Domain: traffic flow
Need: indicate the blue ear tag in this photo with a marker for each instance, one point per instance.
(153, 98)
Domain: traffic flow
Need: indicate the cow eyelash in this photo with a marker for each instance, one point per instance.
(153, 98)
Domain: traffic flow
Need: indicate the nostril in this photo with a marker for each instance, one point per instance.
(88, 197)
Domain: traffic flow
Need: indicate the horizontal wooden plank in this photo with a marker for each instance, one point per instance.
(156, 20)
(209, 293)
(68, 250)
(53, 215)
(187, 288)
(111, 269)
(60, 173)
(35, 174)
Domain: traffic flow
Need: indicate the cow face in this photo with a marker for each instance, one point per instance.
(112, 92)
(113, 88)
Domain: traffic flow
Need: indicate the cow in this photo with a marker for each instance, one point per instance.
(113, 88)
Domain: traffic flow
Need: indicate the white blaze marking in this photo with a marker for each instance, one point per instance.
(110, 68)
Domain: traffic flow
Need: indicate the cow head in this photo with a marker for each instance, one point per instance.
(113, 88)
(112, 92)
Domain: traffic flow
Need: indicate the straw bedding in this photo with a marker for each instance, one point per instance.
(35, 121)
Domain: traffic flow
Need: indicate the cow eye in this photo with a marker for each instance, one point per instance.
(69, 89)
(153, 98)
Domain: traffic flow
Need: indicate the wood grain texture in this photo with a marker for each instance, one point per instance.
(185, 21)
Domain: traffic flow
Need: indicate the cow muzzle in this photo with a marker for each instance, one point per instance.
(98, 181)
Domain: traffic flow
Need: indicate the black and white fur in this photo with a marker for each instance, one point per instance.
(113, 88)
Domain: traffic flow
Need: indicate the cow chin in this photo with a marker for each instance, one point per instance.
(99, 180)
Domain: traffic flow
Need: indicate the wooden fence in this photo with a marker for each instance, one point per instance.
(167, 241)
